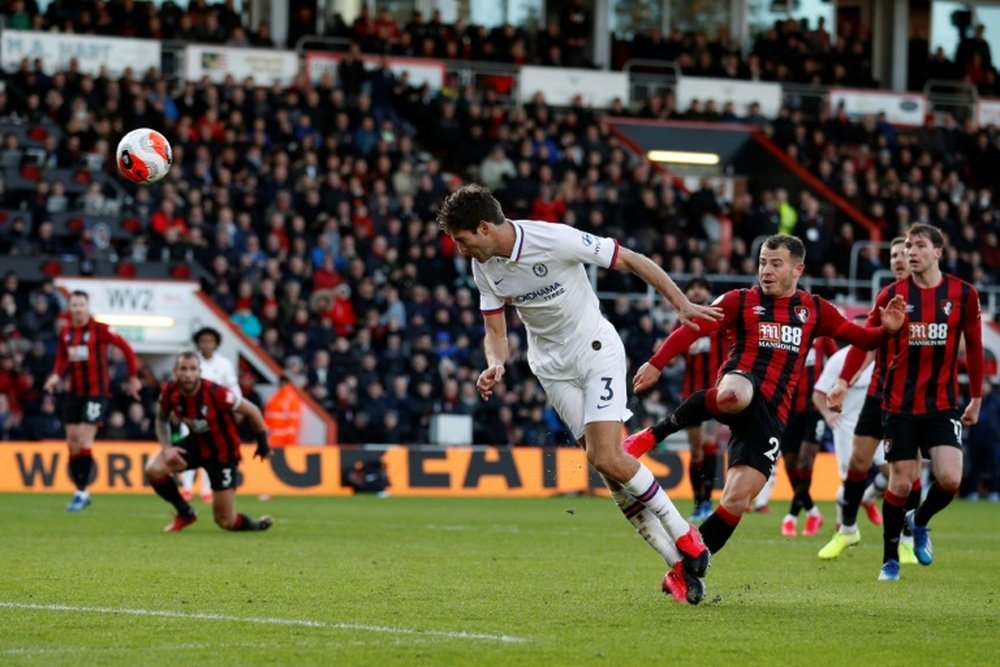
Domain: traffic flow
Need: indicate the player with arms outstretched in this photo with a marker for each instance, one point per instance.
(213, 443)
(770, 329)
(539, 268)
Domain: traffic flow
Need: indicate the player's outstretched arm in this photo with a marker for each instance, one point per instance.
(642, 266)
(893, 314)
(133, 385)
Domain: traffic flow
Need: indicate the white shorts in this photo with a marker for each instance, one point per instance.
(599, 393)
(843, 445)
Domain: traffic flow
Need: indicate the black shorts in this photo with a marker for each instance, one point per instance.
(223, 476)
(85, 409)
(870, 419)
(756, 435)
(802, 427)
(905, 435)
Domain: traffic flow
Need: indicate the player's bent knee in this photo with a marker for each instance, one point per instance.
(950, 483)
(732, 401)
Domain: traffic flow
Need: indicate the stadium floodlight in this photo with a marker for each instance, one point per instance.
(684, 157)
(144, 321)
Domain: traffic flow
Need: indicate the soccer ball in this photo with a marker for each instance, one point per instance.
(144, 156)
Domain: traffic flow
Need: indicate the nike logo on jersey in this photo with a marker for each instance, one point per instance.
(497, 282)
(601, 407)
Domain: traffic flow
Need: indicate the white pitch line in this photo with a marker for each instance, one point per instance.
(507, 639)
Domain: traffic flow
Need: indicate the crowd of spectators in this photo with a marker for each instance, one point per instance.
(789, 51)
(312, 209)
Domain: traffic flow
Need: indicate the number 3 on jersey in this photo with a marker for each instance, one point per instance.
(607, 394)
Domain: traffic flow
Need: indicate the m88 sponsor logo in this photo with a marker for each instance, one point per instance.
(928, 333)
(781, 336)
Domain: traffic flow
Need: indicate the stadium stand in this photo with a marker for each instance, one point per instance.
(307, 212)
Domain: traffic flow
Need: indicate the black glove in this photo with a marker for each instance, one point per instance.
(263, 449)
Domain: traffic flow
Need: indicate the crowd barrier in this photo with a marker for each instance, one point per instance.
(519, 472)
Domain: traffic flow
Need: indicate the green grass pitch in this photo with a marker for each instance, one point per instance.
(563, 581)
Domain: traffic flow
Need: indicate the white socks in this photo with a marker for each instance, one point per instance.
(648, 526)
(187, 479)
(644, 488)
(764, 497)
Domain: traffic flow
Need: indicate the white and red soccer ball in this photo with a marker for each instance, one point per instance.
(144, 156)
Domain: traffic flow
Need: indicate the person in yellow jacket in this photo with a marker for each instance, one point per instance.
(283, 414)
(788, 217)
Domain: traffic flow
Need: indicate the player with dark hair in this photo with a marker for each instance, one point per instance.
(801, 440)
(769, 328)
(920, 399)
(577, 355)
(82, 356)
(209, 411)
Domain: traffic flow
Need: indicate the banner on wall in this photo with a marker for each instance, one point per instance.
(153, 315)
(421, 70)
(91, 52)
(741, 93)
(988, 112)
(519, 472)
(899, 108)
(560, 85)
(266, 66)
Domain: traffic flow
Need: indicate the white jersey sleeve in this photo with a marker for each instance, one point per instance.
(570, 244)
(489, 302)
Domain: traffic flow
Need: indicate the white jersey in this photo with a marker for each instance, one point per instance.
(220, 370)
(855, 397)
(843, 432)
(546, 281)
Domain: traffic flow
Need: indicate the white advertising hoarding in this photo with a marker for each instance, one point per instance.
(153, 316)
(741, 93)
(899, 108)
(266, 66)
(561, 85)
(90, 51)
(421, 70)
(988, 112)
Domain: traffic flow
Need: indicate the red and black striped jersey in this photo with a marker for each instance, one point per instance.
(821, 350)
(209, 414)
(702, 361)
(83, 351)
(768, 339)
(921, 361)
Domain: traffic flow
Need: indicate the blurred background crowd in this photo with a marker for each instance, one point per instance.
(310, 208)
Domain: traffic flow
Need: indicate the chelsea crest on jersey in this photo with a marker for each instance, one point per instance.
(546, 280)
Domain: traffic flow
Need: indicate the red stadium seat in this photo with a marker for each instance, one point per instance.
(180, 271)
(53, 268)
(31, 172)
(126, 270)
